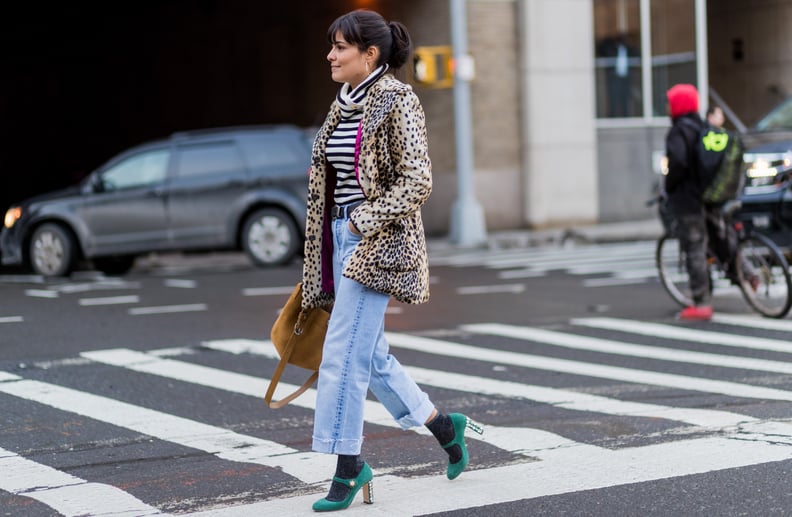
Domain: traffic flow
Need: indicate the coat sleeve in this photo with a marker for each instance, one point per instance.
(678, 159)
(409, 154)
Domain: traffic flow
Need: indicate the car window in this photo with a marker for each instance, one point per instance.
(270, 152)
(779, 118)
(203, 159)
(139, 170)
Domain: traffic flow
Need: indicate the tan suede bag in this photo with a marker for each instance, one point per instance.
(298, 336)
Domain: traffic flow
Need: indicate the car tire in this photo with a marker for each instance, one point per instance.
(115, 265)
(270, 237)
(53, 250)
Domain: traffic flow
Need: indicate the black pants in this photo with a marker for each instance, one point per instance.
(693, 239)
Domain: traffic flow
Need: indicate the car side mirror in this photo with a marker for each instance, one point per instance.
(94, 184)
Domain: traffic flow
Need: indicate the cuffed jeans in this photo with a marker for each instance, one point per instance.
(355, 358)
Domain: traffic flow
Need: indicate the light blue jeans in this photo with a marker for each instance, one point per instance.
(356, 358)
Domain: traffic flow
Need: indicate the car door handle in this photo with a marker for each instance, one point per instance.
(157, 192)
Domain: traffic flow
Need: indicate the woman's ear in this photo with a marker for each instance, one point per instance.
(373, 53)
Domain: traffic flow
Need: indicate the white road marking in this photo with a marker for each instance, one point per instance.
(607, 346)
(310, 467)
(41, 293)
(567, 399)
(109, 300)
(610, 281)
(12, 319)
(492, 289)
(438, 347)
(166, 309)
(686, 334)
(64, 493)
(568, 466)
(180, 283)
(268, 291)
(542, 443)
(573, 473)
(753, 322)
(514, 274)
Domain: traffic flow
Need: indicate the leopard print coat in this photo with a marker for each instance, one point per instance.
(395, 174)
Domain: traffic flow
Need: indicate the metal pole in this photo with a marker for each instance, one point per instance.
(702, 57)
(467, 217)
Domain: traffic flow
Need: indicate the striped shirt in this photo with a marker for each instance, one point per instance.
(340, 151)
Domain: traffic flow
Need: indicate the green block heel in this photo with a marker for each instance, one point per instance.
(461, 422)
(364, 480)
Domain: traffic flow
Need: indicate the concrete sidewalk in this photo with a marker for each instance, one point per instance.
(649, 229)
(174, 263)
(497, 240)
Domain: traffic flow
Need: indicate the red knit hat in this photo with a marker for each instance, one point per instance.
(682, 99)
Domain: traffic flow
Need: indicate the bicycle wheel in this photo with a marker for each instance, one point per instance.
(764, 278)
(671, 269)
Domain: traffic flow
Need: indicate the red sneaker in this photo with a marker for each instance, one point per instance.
(696, 313)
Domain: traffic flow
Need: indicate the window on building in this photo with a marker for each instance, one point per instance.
(626, 32)
(617, 29)
(673, 25)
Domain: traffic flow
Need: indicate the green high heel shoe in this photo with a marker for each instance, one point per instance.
(364, 480)
(460, 422)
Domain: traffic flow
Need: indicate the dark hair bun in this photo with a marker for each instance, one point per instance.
(401, 46)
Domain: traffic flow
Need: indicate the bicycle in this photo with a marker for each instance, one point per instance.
(748, 259)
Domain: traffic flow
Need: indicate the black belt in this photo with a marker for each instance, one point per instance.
(338, 211)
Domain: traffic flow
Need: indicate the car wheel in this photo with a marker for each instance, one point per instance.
(53, 251)
(114, 266)
(270, 237)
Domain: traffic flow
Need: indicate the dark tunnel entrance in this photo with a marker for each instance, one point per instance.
(82, 83)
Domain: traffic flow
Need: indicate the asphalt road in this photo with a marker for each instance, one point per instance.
(144, 393)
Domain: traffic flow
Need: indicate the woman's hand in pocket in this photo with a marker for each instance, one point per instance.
(353, 229)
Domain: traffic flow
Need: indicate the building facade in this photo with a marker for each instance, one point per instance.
(568, 99)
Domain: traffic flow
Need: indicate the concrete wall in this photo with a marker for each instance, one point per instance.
(496, 106)
(559, 138)
(761, 76)
(626, 177)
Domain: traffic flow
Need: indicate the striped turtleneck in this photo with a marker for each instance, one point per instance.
(340, 151)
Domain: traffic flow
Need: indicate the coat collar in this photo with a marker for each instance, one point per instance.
(378, 104)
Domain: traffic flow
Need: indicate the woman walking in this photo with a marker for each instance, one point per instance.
(370, 174)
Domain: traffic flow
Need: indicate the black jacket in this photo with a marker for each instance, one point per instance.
(683, 183)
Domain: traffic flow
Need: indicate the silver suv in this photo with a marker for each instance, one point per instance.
(238, 188)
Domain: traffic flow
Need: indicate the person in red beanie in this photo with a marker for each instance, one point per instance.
(684, 190)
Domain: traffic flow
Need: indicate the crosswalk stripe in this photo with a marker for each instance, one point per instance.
(564, 259)
(566, 466)
(491, 289)
(566, 399)
(307, 466)
(109, 300)
(440, 347)
(573, 473)
(168, 309)
(66, 494)
(685, 334)
(607, 346)
(512, 439)
(616, 280)
(624, 264)
(516, 257)
(756, 322)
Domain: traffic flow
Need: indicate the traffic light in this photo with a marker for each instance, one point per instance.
(433, 66)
